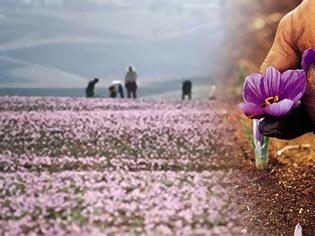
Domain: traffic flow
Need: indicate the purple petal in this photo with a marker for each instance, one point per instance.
(270, 83)
(308, 59)
(293, 85)
(251, 90)
(279, 109)
(258, 136)
(297, 99)
(251, 109)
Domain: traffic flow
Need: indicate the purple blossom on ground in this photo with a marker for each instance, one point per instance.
(73, 166)
(272, 93)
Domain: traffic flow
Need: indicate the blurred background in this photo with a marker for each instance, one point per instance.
(54, 47)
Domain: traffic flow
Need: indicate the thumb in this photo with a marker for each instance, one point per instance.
(282, 54)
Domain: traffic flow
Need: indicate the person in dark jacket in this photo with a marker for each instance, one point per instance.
(186, 89)
(89, 91)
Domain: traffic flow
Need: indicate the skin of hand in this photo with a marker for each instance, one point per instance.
(295, 34)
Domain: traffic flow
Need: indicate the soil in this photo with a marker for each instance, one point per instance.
(273, 201)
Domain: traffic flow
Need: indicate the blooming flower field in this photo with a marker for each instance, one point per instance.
(96, 166)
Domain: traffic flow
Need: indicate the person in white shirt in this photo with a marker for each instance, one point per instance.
(131, 82)
(115, 88)
(212, 92)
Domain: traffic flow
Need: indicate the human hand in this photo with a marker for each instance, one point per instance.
(295, 34)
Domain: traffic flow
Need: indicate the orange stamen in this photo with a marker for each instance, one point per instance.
(271, 100)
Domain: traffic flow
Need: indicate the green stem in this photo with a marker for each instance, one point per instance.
(261, 148)
(249, 134)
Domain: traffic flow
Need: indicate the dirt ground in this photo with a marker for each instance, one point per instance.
(273, 201)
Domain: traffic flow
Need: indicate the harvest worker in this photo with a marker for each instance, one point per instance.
(186, 89)
(295, 36)
(131, 82)
(89, 91)
(115, 88)
(212, 92)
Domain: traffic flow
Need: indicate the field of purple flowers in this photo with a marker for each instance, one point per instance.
(116, 167)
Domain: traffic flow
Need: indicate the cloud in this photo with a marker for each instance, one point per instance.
(41, 3)
(42, 76)
(30, 42)
(143, 19)
(118, 3)
(158, 4)
(10, 61)
(189, 30)
(33, 75)
(3, 18)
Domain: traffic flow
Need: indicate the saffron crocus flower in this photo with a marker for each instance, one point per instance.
(272, 93)
(308, 59)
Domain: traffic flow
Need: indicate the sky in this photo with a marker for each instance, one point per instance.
(64, 43)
